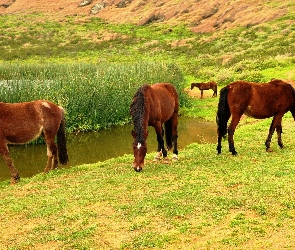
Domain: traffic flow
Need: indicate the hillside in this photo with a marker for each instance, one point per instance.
(201, 16)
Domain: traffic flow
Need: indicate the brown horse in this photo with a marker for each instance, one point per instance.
(259, 101)
(153, 106)
(205, 86)
(24, 122)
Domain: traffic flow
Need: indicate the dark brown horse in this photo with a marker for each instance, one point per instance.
(24, 122)
(259, 101)
(205, 86)
(153, 106)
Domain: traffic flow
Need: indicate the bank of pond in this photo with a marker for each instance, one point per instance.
(91, 147)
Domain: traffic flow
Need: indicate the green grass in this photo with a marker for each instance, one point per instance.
(202, 201)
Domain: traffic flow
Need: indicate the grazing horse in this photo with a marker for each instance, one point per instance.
(259, 101)
(24, 122)
(152, 106)
(205, 86)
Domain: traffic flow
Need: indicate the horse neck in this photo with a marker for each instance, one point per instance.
(140, 117)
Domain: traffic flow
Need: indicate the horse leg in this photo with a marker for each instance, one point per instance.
(159, 152)
(231, 130)
(52, 162)
(215, 92)
(201, 94)
(277, 121)
(9, 162)
(160, 141)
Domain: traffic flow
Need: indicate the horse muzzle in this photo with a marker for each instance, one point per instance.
(137, 168)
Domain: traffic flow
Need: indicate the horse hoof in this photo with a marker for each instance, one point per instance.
(14, 181)
(158, 156)
(174, 158)
(269, 150)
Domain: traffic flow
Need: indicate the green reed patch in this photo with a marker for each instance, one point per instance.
(94, 96)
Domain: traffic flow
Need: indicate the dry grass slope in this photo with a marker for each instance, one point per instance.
(202, 16)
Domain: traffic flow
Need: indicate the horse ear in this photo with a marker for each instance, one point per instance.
(133, 133)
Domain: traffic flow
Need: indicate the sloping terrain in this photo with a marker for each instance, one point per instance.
(201, 15)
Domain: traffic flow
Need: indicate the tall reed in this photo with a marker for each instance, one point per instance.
(94, 96)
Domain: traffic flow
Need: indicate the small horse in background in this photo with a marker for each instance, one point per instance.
(152, 106)
(23, 122)
(205, 86)
(259, 101)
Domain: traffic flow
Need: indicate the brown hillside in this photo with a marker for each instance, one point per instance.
(201, 16)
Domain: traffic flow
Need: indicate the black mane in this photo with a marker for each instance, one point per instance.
(137, 111)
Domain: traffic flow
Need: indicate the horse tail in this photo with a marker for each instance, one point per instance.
(223, 113)
(61, 142)
(168, 133)
(293, 104)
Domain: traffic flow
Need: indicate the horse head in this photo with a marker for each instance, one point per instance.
(195, 84)
(139, 150)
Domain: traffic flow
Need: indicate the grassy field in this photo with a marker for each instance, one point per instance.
(203, 201)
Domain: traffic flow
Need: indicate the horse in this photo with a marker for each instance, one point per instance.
(205, 86)
(153, 105)
(257, 100)
(23, 122)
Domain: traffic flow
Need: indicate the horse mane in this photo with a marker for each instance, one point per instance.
(137, 111)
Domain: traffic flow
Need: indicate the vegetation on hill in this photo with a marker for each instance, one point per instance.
(240, 53)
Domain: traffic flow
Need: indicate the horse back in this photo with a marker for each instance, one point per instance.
(163, 101)
(48, 111)
(23, 122)
(260, 100)
(213, 85)
(203, 85)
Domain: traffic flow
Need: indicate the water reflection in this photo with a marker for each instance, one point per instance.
(99, 146)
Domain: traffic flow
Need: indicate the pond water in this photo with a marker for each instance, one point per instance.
(99, 146)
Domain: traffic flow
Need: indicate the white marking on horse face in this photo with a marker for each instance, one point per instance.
(46, 104)
(139, 145)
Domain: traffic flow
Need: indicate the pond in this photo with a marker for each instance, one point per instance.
(102, 145)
